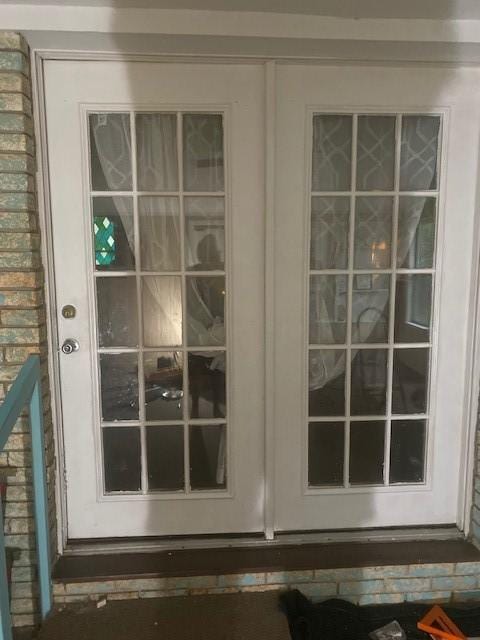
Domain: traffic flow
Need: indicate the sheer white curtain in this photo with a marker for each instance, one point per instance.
(418, 168)
(157, 170)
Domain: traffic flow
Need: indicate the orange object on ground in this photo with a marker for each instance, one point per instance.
(439, 625)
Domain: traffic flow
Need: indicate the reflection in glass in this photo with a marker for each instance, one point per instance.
(162, 311)
(407, 451)
(373, 232)
(206, 310)
(370, 307)
(369, 382)
(418, 161)
(110, 152)
(325, 453)
(119, 386)
(416, 232)
(367, 452)
(165, 460)
(113, 234)
(410, 379)
(121, 459)
(326, 382)
(117, 312)
(203, 164)
(329, 233)
(159, 223)
(163, 371)
(208, 456)
(204, 233)
(206, 384)
(413, 303)
(157, 164)
(328, 309)
(332, 153)
(375, 153)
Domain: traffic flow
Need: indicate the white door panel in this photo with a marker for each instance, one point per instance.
(137, 321)
(344, 476)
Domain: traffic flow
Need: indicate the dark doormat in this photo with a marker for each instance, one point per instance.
(341, 620)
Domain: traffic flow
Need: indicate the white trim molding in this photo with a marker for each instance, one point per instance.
(233, 23)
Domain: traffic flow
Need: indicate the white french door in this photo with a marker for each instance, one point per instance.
(156, 175)
(157, 198)
(376, 182)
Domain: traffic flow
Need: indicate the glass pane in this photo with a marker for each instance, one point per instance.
(329, 233)
(157, 163)
(121, 459)
(367, 452)
(202, 152)
(208, 456)
(113, 234)
(410, 379)
(206, 311)
(163, 372)
(407, 451)
(418, 162)
(375, 153)
(117, 312)
(413, 303)
(373, 232)
(119, 386)
(110, 152)
(206, 384)
(162, 311)
(325, 453)
(328, 309)
(204, 233)
(369, 381)
(416, 232)
(326, 382)
(165, 461)
(332, 153)
(159, 222)
(370, 307)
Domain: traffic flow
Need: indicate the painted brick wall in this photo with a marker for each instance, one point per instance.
(443, 582)
(476, 493)
(22, 312)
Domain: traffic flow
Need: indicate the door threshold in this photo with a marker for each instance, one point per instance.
(145, 545)
(283, 558)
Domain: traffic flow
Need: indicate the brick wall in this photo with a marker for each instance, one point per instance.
(443, 582)
(22, 312)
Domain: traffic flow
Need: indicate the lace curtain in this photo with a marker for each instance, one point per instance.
(159, 222)
(418, 171)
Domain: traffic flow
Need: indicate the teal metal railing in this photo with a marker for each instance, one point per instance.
(26, 391)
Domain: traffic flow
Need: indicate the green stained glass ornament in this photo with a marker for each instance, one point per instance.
(104, 234)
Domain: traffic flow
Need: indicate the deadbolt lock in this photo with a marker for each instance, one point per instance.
(69, 311)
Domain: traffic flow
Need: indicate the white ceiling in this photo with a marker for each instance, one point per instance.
(433, 9)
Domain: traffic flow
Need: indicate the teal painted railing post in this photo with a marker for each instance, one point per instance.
(5, 618)
(40, 497)
(26, 390)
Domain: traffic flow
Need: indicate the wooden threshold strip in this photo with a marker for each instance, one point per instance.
(232, 560)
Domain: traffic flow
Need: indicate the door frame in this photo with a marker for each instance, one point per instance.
(472, 373)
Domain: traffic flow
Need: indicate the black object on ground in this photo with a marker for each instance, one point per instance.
(341, 620)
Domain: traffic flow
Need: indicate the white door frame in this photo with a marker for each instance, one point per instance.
(471, 400)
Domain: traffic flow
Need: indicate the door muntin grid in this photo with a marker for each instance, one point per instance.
(159, 269)
(373, 216)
